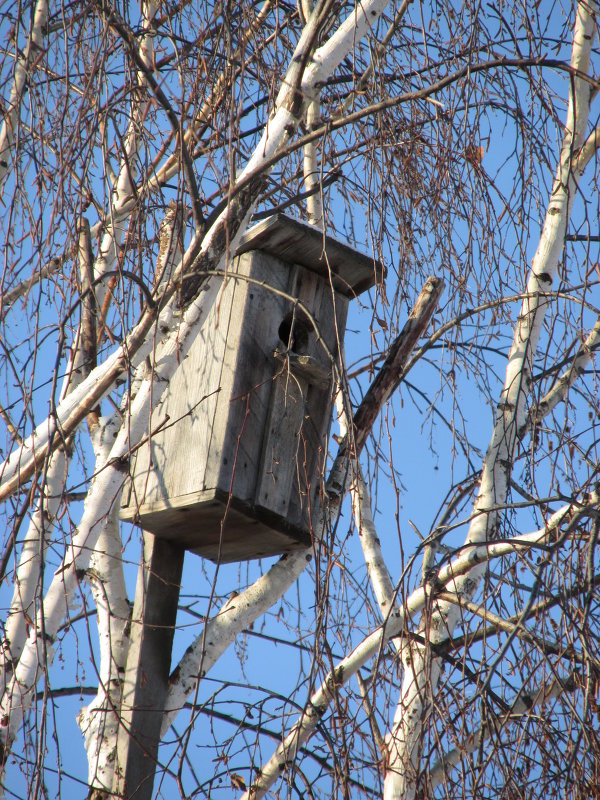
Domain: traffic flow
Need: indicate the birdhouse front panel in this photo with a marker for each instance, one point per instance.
(237, 445)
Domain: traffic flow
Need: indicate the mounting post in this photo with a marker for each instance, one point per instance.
(148, 667)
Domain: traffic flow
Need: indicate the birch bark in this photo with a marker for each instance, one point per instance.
(99, 720)
(421, 671)
(25, 63)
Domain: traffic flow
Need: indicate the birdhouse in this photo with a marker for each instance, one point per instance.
(233, 465)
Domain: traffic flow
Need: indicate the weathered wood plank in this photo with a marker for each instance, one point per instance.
(280, 446)
(195, 521)
(299, 243)
(250, 371)
(148, 666)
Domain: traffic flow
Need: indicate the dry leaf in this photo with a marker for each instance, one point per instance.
(474, 154)
(238, 782)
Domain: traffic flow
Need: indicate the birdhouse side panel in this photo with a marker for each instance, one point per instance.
(204, 376)
(257, 308)
(176, 459)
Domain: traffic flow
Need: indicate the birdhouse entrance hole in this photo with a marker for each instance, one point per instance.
(294, 333)
(233, 465)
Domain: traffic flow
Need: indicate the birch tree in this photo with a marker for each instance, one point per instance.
(440, 636)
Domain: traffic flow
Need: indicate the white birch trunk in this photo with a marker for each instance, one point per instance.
(363, 517)
(25, 63)
(314, 204)
(99, 721)
(421, 673)
(312, 174)
(23, 607)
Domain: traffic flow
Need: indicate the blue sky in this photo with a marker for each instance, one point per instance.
(444, 410)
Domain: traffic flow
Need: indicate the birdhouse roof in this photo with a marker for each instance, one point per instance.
(296, 242)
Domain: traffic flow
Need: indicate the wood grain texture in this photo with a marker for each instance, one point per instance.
(232, 469)
(298, 242)
(148, 665)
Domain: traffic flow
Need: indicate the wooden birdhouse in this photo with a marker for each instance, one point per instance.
(233, 465)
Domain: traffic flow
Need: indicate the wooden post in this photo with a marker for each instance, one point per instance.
(148, 666)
